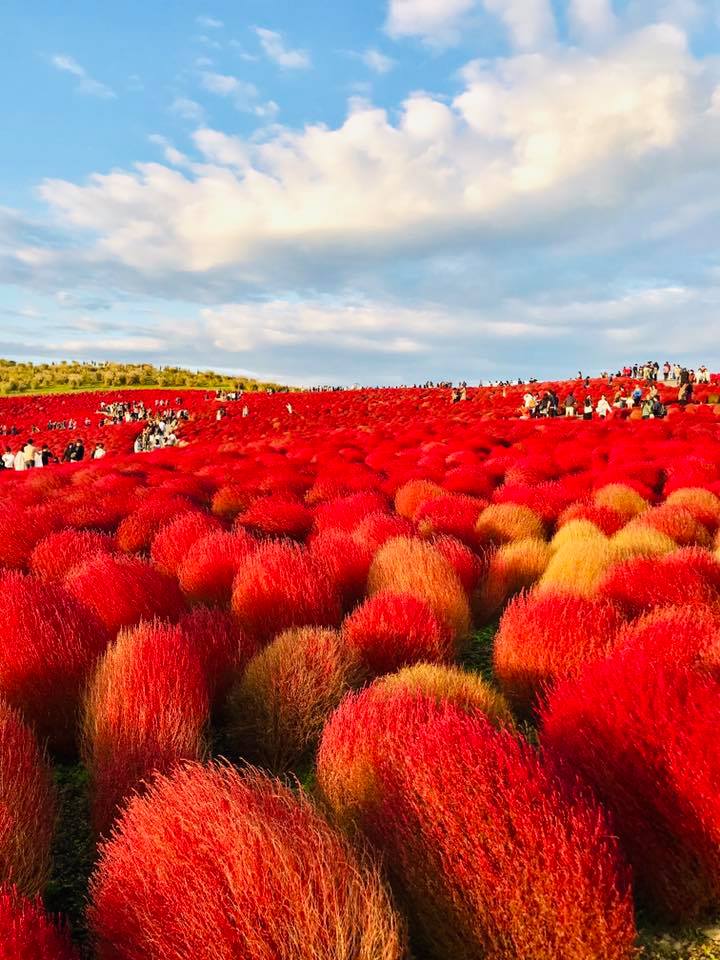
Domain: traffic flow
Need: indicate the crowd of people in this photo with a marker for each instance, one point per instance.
(30, 456)
(548, 404)
(160, 429)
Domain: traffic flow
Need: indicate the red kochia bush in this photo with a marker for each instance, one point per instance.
(377, 528)
(260, 874)
(27, 807)
(22, 528)
(394, 630)
(689, 575)
(345, 513)
(545, 636)
(277, 518)
(470, 567)
(27, 933)
(121, 591)
(171, 543)
(677, 635)
(345, 560)
(137, 530)
(49, 645)
(564, 888)
(379, 720)
(644, 736)
(281, 586)
(492, 856)
(59, 553)
(223, 647)
(206, 575)
(452, 515)
(145, 709)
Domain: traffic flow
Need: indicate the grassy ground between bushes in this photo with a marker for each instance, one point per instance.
(74, 849)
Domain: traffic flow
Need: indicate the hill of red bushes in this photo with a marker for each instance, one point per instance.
(305, 591)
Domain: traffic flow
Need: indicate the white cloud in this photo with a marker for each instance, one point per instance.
(111, 344)
(187, 109)
(210, 23)
(592, 19)
(243, 94)
(86, 83)
(532, 140)
(378, 62)
(274, 47)
(434, 20)
(530, 23)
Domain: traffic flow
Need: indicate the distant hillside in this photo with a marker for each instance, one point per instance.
(65, 377)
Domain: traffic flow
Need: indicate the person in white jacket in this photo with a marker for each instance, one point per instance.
(19, 462)
(603, 408)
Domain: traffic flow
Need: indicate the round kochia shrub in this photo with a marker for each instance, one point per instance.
(703, 504)
(280, 586)
(624, 500)
(466, 690)
(50, 643)
(687, 635)
(491, 855)
(171, 543)
(27, 933)
(121, 591)
(644, 736)
(279, 706)
(578, 567)
(513, 567)
(507, 522)
(27, 807)
(145, 709)
(136, 531)
(223, 647)
(688, 575)
(546, 636)
(393, 630)
(206, 574)
(414, 567)
(273, 517)
(377, 720)
(258, 872)
(57, 554)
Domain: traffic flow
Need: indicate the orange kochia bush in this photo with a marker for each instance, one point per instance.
(491, 853)
(27, 807)
(259, 873)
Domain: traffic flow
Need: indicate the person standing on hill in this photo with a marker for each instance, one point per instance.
(8, 459)
(29, 454)
(603, 408)
(588, 408)
(19, 460)
(67, 456)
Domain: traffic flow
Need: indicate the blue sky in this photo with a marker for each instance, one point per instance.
(378, 192)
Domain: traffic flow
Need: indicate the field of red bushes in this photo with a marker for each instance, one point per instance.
(375, 678)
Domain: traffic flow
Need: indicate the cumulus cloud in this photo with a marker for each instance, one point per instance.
(274, 46)
(551, 192)
(529, 23)
(529, 140)
(86, 84)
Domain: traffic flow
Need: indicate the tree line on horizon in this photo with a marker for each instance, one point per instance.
(25, 377)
